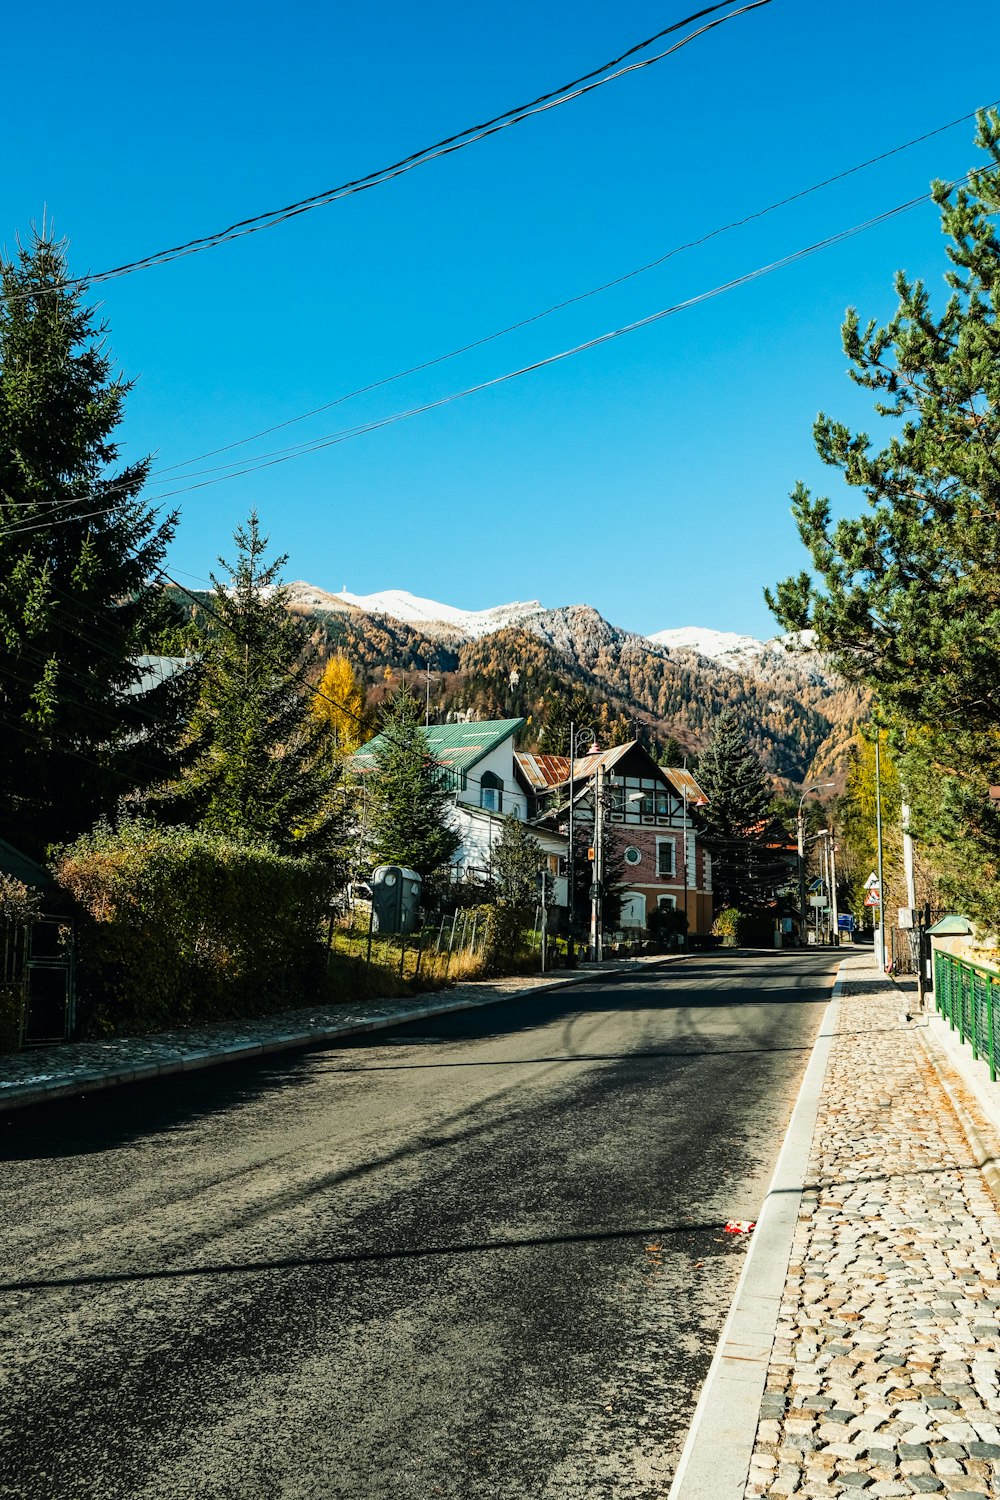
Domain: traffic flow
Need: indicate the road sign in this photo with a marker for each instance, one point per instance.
(873, 897)
(845, 921)
(872, 880)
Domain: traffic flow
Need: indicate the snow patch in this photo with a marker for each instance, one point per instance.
(411, 609)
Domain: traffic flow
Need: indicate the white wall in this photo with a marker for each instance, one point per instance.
(501, 762)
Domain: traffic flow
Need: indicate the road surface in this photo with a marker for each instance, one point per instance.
(478, 1256)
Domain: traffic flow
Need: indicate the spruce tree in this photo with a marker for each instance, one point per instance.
(262, 763)
(79, 551)
(408, 795)
(736, 817)
(517, 860)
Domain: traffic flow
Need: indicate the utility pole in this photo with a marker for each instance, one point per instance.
(428, 678)
(684, 851)
(878, 834)
(571, 862)
(800, 824)
(596, 891)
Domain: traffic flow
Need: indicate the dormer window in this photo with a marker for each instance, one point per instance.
(491, 792)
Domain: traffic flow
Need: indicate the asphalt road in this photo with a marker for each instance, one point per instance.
(480, 1256)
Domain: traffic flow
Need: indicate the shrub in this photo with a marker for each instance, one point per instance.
(739, 929)
(727, 926)
(181, 925)
(503, 925)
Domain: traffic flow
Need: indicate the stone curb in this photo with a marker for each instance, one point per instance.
(983, 1157)
(88, 1083)
(715, 1460)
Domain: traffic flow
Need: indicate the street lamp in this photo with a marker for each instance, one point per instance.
(585, 732)
(819, 787)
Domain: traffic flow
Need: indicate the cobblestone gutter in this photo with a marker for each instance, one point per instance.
(884, 1376)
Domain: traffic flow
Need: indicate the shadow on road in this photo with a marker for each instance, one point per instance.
(652, 1233)
(103, 1121)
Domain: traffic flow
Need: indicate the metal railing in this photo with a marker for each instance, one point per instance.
(969, 998)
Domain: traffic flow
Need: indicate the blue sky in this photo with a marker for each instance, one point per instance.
(649, 477)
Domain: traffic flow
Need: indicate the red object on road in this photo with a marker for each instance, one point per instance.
(740, 1226)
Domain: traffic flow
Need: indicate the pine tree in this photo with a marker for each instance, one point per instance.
(262, 763)
(79, 599)
(736, 816)
(517, 860)
(906, 597)
(408, 795)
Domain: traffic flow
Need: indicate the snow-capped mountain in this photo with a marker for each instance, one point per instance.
(717, 645)
(676, 681)
(411, 609)
(578, 629)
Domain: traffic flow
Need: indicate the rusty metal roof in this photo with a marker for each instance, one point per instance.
(684, 783)
(541, 771)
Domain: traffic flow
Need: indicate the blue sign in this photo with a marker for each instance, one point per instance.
(845, 922)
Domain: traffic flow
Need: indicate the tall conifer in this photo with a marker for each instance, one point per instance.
(408, 795)
(262, 763)
(79, 549)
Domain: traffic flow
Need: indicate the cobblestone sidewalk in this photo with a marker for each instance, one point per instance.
(884, 1376)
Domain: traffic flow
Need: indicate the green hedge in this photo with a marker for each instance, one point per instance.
(180, 926)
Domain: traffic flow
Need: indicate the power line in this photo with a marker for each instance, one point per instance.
(455, 142)
(592, 292)
(362, 429)
(225, 472)
(316, 445)
(265, 461)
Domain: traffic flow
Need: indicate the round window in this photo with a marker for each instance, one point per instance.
(389, 880)
(633, 856)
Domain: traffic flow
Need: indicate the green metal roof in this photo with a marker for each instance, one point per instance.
(459, 746)
(951, 926)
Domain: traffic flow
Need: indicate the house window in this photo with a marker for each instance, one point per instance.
(491, 792)
(665, 867)
(633, 856)
(667, 903)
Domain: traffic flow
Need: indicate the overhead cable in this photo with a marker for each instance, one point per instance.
(455, 142)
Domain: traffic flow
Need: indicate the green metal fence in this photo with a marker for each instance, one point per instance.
(968, 997)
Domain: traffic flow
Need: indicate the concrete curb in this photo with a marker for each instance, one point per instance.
(984, 1158)
(715, 1461)
(88, 1083)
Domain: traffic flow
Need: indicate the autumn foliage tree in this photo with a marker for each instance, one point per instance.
(339, 702)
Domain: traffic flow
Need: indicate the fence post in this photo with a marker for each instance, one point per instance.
(974, 1013)
(402, 952)
(989, 1029)
(451, 942)
(371, 924)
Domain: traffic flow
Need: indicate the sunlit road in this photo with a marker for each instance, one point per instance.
(476, 1257)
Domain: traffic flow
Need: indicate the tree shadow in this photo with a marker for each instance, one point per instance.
(108, 1119)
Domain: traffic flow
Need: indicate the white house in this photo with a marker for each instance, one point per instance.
(477, 762)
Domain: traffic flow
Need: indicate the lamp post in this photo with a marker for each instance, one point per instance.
(835, 919)
(575, 736)
(819, 786)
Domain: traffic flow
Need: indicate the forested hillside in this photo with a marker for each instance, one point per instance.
(570, 663)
